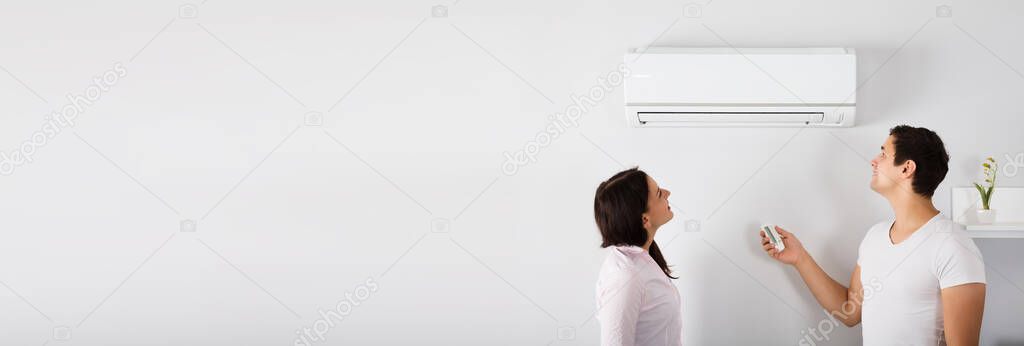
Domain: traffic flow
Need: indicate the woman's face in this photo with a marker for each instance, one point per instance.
(658, 211)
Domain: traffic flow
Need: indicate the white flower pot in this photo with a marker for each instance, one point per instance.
(986, 216)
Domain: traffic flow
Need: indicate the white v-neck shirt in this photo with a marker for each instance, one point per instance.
(903, 282)
(637, 304)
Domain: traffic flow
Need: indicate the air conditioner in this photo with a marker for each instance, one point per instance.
(728, 87)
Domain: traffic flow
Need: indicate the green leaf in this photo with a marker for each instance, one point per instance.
(984, 195)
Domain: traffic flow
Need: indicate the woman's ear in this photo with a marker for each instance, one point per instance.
(647, 221)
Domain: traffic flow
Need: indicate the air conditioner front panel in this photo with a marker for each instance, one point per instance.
(734, 78)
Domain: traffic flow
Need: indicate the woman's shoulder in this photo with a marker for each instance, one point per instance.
(624, 262)
(624, 256)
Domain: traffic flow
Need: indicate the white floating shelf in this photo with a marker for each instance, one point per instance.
(1008, 203)
(998, 230)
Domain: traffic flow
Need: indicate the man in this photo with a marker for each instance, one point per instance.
(925, 277)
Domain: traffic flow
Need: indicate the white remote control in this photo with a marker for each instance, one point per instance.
(773, 237)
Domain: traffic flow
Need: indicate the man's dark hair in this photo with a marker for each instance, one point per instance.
(925, 148)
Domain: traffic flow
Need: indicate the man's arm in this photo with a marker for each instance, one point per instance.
(962, 309)
(842, 302)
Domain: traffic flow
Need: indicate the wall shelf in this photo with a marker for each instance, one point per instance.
(1008, 203)
(997, 230)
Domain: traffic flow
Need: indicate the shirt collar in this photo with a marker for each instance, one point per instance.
(630, 248)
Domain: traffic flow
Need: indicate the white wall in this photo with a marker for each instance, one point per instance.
(203, 126)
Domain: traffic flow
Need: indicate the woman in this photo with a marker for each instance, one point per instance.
(637, 304)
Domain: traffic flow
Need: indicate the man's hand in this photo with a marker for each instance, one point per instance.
(792, 254)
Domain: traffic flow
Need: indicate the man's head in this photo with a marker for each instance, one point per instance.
(913, 159)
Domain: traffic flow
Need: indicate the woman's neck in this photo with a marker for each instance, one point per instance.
(650, 239)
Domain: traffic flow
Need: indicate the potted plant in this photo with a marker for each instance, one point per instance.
(986, 215)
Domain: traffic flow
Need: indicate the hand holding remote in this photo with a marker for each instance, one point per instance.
(793, 250)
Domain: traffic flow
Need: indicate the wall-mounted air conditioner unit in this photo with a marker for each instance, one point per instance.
(727, 87)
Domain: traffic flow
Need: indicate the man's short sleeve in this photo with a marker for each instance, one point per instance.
(958, 261)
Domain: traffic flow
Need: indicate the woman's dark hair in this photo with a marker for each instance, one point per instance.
(929, 154)
(618, 208)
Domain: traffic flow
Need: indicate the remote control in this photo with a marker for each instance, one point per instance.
(773, 237)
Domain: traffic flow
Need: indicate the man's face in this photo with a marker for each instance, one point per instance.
(886, 176)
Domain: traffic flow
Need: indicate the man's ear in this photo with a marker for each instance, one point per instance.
(909, 168)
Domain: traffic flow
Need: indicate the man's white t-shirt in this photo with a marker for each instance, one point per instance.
(903, 282)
